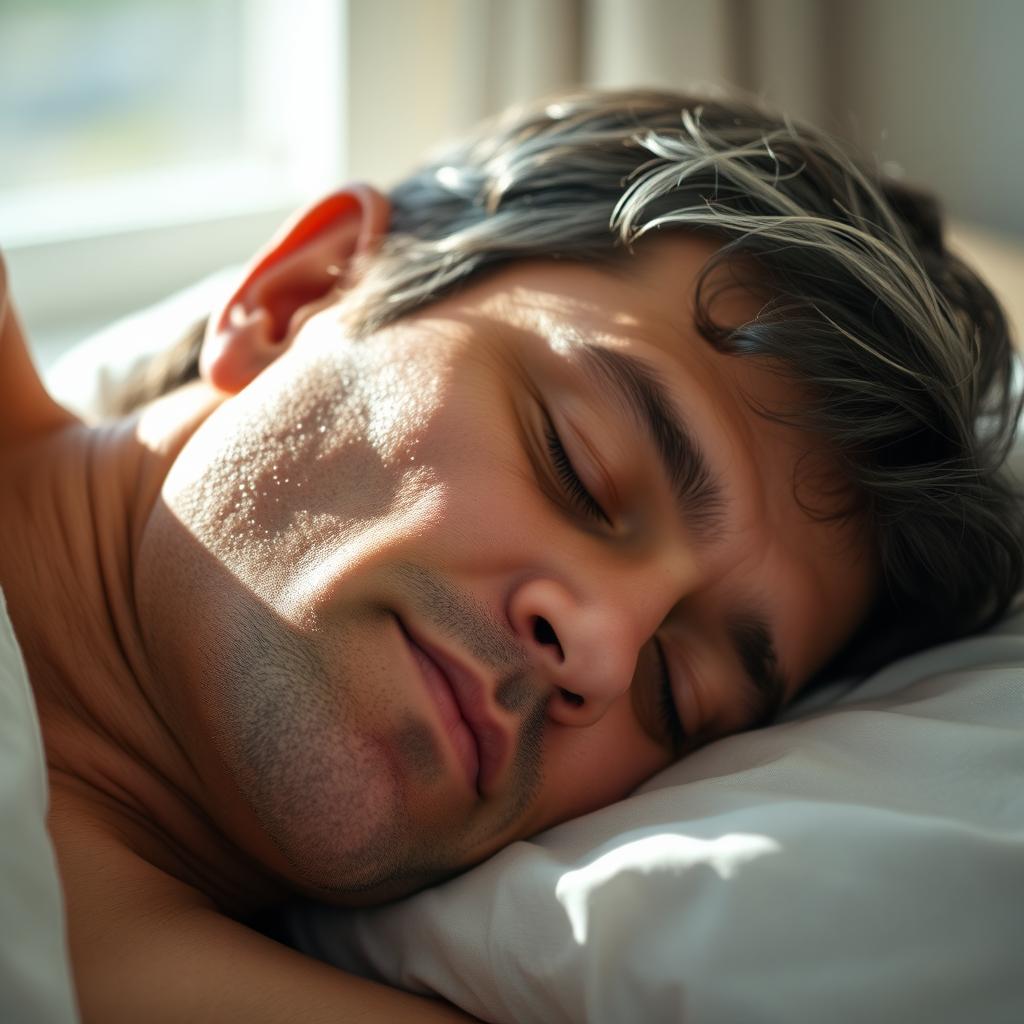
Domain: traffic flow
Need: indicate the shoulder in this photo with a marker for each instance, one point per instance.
(113, 897)
(145, 946)
(116, 903)
(26, 409)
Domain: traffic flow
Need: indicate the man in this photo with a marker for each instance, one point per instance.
(594, 441)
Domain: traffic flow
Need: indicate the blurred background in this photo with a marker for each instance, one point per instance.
(147, 143)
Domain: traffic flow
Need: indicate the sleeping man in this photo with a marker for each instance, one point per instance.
(595, 440)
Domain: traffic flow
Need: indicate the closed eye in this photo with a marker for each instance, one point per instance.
(569, 479)
(670, 718)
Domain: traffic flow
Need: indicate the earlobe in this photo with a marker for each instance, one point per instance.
(308, 262)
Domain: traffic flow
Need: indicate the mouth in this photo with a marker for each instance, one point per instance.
(460, 697)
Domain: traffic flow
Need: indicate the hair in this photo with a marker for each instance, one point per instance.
(902, 352)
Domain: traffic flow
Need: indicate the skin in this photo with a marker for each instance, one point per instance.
(211, 595)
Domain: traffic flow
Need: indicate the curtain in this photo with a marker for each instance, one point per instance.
(431, 68)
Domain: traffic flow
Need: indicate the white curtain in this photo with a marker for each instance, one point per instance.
(424, 69)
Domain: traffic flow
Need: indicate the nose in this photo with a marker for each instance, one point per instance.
(585, 650)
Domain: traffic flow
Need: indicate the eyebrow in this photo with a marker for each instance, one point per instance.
(699, 496)
(637, 385)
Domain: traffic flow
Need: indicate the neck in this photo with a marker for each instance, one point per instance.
(74, 518)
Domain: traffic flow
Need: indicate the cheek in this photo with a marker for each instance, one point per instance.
(482, 503)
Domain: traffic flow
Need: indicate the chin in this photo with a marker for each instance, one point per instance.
(376, 893)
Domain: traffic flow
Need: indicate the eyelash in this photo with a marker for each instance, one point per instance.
(569, 478)
(667, 704)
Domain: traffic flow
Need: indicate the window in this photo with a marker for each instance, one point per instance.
(164, 138)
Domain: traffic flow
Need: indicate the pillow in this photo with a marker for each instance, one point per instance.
(862, 862)
(86, 376)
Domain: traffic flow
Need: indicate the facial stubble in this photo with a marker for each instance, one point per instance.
(325, 791)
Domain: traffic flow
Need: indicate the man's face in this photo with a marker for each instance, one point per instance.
(432, 591)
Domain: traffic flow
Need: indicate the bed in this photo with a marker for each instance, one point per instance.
(860, 859)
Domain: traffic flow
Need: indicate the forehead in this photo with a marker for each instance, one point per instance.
(646, 300)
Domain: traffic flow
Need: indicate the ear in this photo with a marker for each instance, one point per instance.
(303, 266)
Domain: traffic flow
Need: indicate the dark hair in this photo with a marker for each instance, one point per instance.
(902, 350)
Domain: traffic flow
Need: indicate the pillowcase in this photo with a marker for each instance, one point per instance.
(861, 862)
(84, 379)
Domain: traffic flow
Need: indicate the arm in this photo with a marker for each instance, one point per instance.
(145, 946)
(25, 406)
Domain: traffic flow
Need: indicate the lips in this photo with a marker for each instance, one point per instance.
(462, 700)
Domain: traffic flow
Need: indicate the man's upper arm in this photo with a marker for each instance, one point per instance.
(145, 946)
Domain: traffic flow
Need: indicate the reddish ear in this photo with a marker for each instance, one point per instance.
(308, 260)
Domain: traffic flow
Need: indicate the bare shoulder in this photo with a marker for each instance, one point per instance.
(26, 409)
(146, 946)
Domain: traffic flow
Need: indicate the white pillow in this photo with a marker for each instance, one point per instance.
(865, 862)
(85, 377)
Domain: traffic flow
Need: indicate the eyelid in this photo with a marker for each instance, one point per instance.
(570, 480)
(668, 702)
(592, 466)
(607, 493)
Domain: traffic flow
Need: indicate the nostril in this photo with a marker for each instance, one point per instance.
(544, 633)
